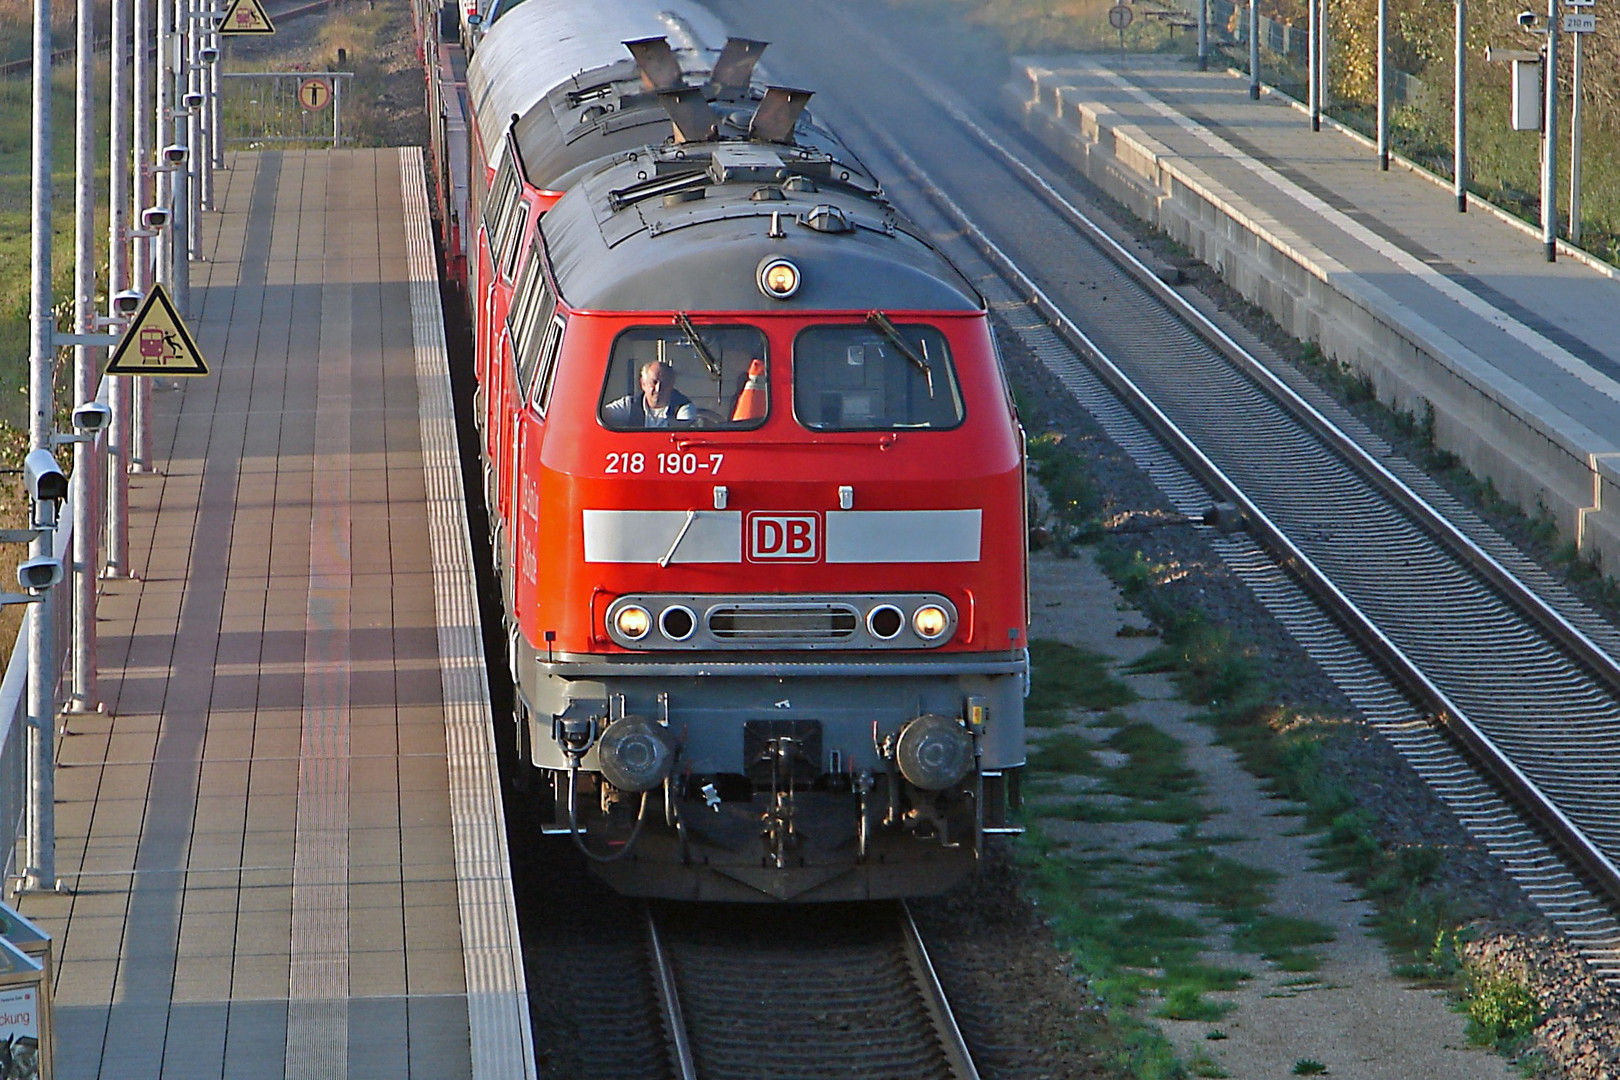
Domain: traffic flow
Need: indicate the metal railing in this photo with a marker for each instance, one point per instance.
(283, 107)
(1294, 42)
(14, 706)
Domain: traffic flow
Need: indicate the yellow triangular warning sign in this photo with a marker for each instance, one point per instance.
(246, 17)
(157, 343)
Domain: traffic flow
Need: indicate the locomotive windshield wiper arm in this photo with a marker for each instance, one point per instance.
(703, 352)
(892, 332)
(691, 516)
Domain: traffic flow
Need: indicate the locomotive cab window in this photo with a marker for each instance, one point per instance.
(874, 377)
(534, 333)
(693, 376)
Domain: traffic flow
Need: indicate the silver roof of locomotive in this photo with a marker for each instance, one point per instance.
(538, 47)
(687, 227)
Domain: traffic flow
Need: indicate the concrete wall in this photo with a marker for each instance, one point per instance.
(1535, 455)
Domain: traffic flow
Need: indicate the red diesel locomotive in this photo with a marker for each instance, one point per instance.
(753, 473)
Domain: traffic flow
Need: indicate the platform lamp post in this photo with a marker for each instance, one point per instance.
(86, 472)
(1254, 50)
(196, 161)
(160, 266)
(1313, 63)
(176, 157)
(1549, 138)
(40, 856)
(1529, 110)
(1459, 109)
(215, 108)
(47, 487)
(1383, 85)
(128, 273)
(1545, 64)
(1204, 34)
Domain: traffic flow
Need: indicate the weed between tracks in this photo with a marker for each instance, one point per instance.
(1142, 917)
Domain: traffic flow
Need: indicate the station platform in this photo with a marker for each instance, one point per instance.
(283, 838)
(1458, 318)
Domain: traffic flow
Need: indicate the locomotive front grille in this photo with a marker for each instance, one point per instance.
(798, 624)
(739, 622)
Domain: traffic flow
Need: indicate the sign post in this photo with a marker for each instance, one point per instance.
(1577, 24)
(1119, 17)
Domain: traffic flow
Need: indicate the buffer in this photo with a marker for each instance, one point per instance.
(157, 342)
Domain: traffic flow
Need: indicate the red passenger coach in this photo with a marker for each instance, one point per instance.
(755, 484)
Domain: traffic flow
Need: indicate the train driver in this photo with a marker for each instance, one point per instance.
(657, 406)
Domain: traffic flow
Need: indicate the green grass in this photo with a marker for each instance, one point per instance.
(1111, 912)
(16, 217)
(1283, 940)
(1233, 888)
(1075, 500)
(1502, 1013)
(1067, 677)
(1065, 753)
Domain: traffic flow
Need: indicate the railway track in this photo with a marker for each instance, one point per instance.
(1520, 677)
(845, 990)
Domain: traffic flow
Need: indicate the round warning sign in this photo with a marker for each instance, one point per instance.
(1119, 16)
(314, 94)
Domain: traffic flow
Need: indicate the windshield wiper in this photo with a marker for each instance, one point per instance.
(697, 343)
(892, 332)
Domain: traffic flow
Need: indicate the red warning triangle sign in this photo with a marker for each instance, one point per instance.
(157, 342)
(246, 17)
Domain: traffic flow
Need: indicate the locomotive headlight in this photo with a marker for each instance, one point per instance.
(632, 622)
(930, 621)
(778, 278)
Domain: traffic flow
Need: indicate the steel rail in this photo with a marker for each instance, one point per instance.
(1289, 554)
(957, 1056)
(1532, 603)
(1549, 709)
(1606, 664)
(680, 1044)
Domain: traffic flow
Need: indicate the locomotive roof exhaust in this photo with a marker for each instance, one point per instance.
(694, 120)
(688, 107)
(734, 69)
(777, 114)
(660, 70)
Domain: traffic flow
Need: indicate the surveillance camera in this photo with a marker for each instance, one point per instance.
(92, 417)
(174, 153)
(192, 100)
(155, 217)
(208, 54)
(1527, 19)
(39, 573)
(126, 303)
(44, 478)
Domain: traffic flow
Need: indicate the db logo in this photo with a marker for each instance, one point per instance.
(783, 537)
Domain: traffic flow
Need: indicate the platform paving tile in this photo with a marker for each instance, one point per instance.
(263, 811)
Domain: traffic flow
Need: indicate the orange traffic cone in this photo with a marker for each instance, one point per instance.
(752, 402)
